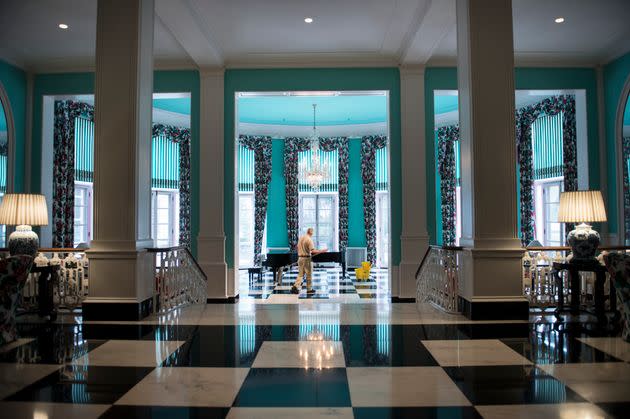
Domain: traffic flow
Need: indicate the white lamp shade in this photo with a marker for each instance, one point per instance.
(581, 207)
(27, 209)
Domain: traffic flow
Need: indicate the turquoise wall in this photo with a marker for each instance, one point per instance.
(13, 80)
(83, 83)
(615, 75)
(356, 226)
(257, 80)
(277, 209)
(524, 78)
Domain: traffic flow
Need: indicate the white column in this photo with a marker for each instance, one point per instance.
(485, 67)
(414, 239)
(121, 271)
(211, 239)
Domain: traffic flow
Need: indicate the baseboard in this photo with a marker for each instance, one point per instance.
(403, 300)
(494, 310)
(117, 311)
(226, 300)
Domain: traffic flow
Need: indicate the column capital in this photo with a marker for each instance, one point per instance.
(408, 70)
(206, 72)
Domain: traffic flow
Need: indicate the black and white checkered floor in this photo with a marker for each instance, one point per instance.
(328, 283)
(317, 360)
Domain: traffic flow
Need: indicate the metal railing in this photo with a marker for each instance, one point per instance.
(179, 280)
(539, 286)
(437, 278)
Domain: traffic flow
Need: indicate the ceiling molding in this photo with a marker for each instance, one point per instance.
(418, 17)
(13, 58)
(182, 20)
(312, 60)
(438, 19)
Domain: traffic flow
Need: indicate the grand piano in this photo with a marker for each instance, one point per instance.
(276, 260)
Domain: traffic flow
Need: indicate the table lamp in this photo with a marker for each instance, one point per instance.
(582, 207)
(23, 211)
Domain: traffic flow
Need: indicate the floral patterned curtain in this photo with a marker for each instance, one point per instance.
(292, 146)
(369, 145)
(626, 186)
(446, 137)
(180, 136)
(525, 117)
(63, 170)
(262, 175)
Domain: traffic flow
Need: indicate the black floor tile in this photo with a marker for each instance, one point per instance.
(80, 384)
(294, 387)
(220, 346)
(464, 412)
(165, 412)
(50, 349)
(554, 348)
(494, 330)
(616, 409)
(384, 345)
(512, 384)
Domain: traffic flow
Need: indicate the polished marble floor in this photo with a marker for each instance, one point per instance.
(328, 283)
(312, 360)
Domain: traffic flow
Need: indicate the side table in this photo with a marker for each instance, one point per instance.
(574, 269)
(48, 276)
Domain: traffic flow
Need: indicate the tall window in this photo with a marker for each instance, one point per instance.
(320, 209)
(83, 178)
(382, 208)
(164, 186)
(165, 191)
(548, 179)
(246, 223)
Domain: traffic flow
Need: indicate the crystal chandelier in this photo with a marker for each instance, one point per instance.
(316, 171)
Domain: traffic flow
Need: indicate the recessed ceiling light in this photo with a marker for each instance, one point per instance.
(559, 20)
(308, 19)
(63, 26)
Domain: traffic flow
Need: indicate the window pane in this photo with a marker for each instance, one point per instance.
(308, 203)
(163, 216)
(162, 200)
(554, 194)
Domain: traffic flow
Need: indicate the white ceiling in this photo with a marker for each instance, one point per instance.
(247, 33)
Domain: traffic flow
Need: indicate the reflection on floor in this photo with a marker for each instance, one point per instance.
(314, 359)
(328, 282)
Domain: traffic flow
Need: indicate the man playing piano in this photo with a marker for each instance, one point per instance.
(306, 249)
